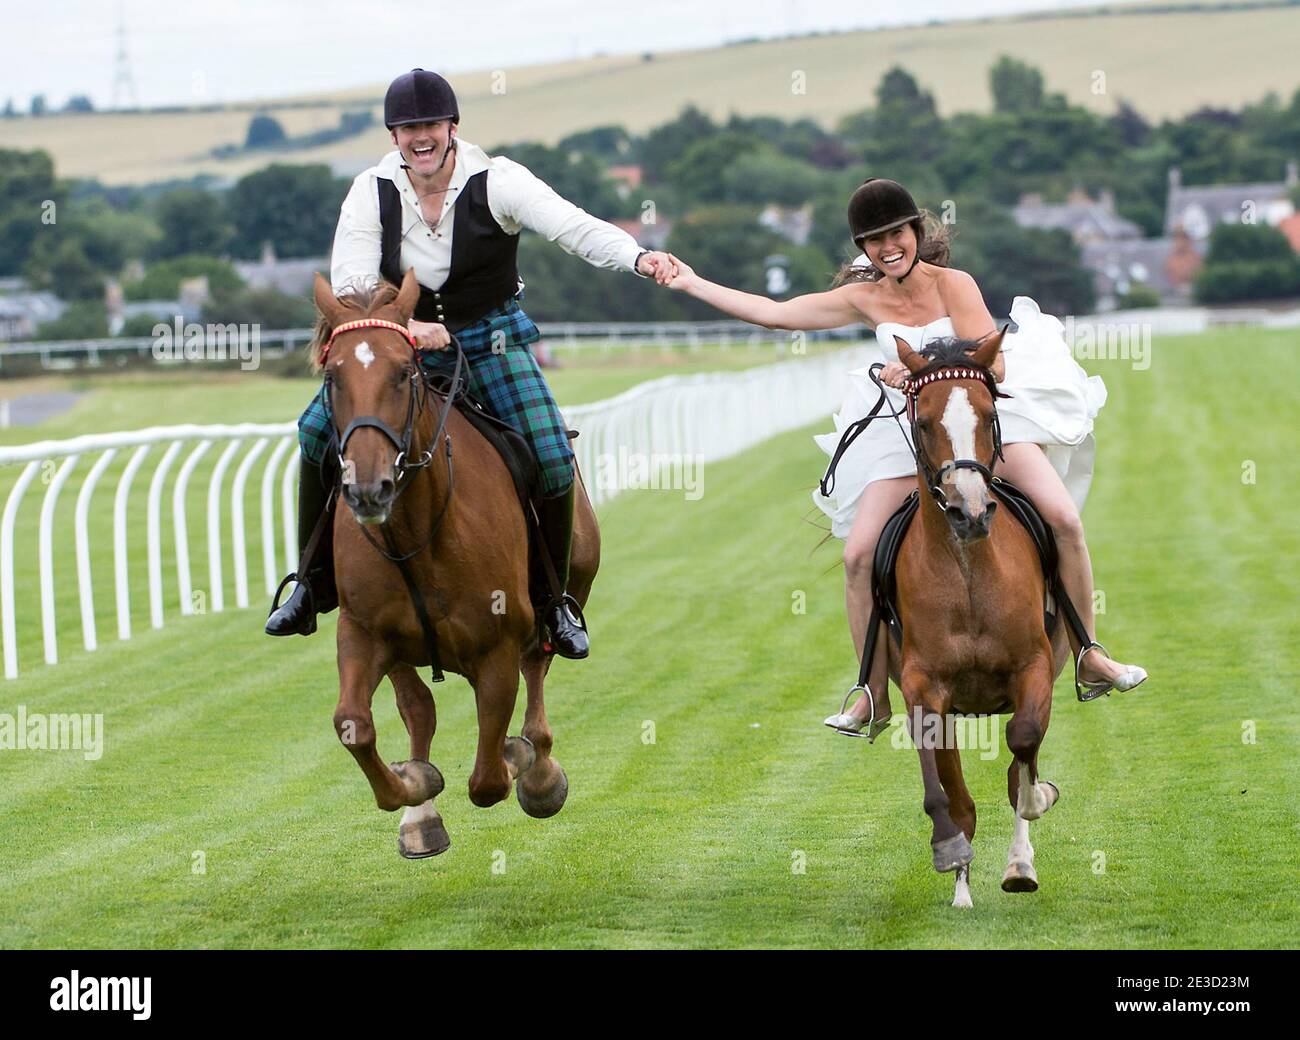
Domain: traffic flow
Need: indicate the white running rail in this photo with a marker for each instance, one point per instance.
(697, 418)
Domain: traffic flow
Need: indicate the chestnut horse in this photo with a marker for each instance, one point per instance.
(971, 593)
(468, 557)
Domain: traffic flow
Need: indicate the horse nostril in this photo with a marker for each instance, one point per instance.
(387, 488)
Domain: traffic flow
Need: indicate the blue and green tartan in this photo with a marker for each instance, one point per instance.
(504, 375)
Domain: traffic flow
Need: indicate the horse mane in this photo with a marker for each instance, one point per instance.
(365, 298)
(949, 352)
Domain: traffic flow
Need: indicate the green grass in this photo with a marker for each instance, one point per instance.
(219, 741)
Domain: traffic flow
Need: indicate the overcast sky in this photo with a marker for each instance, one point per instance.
(203, 51)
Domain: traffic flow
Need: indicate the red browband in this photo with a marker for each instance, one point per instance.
(368, 323)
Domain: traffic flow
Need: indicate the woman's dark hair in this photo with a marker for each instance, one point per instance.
(932, 246)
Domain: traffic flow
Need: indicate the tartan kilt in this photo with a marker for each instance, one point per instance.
(504, 375)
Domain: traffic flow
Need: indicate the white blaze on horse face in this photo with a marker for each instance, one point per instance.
(364, 354)
(960, 420)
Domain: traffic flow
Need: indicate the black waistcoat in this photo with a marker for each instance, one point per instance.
(483, 273)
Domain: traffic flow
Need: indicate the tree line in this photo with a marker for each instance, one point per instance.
(710, 178)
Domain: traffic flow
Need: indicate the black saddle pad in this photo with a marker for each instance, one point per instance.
(884, 586)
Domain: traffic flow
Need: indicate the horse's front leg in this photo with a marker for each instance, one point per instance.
(925, 717)
(362, 661)
(422, 832)
(1029, 796)
(498, 761)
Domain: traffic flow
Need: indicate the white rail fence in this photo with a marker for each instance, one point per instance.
(698, 418)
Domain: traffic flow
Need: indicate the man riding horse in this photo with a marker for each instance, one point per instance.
(445, 208)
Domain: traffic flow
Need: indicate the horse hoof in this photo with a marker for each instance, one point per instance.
(1056, 793)
(421, 833)
(547, 803)
(521, 754)
(952, 853)
(422, 780)
(1020, 877)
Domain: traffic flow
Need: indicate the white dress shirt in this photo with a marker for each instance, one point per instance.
(516, 198)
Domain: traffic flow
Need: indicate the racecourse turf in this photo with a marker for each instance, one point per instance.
(708, 805)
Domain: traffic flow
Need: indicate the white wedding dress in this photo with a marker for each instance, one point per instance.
(1053, 403)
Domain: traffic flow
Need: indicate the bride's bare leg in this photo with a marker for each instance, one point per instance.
(880, 499)
(1027, 467)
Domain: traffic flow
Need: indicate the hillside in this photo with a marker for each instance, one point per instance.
(1165, 63)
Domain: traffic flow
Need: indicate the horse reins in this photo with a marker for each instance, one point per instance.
(934, 476)
(420, 388)
(414, 407)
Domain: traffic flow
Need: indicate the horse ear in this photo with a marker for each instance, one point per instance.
(327, 303)
(408, 295)
(909, 357)
(987, 352)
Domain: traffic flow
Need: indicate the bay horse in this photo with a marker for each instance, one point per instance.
(466, 552)
(971, 591)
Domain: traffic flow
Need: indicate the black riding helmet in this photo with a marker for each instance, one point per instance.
(419, 97)
(880, 205)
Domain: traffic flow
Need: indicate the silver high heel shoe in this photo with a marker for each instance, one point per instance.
(1132, 676)
(851, 726)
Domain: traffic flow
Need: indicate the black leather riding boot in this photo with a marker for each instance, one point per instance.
(315, 592)
(566, 629)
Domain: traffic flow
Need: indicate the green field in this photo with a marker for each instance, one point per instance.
(1172, 829)
(1169, 63)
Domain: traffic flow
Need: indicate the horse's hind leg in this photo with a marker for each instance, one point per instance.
(498, 760)
(421, 833)
(961, 807)
(543, 788)
(362, 665)
(1029, 796)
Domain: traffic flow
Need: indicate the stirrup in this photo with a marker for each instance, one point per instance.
(279, 590)
(1090, 691)
(872, 728)
(572, 608)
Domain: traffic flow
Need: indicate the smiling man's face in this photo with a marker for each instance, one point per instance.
(423, 144)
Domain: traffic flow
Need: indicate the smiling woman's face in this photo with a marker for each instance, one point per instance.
(422, 144)
(893, 251)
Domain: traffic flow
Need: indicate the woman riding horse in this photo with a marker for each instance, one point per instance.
(444, 207)
(906, 289)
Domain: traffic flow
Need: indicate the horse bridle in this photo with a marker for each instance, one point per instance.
(935, 476)
(415, 406)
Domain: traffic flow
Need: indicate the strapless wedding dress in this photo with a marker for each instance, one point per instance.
(1053, 402)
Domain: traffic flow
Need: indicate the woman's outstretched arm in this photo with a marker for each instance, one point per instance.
(823, 310)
